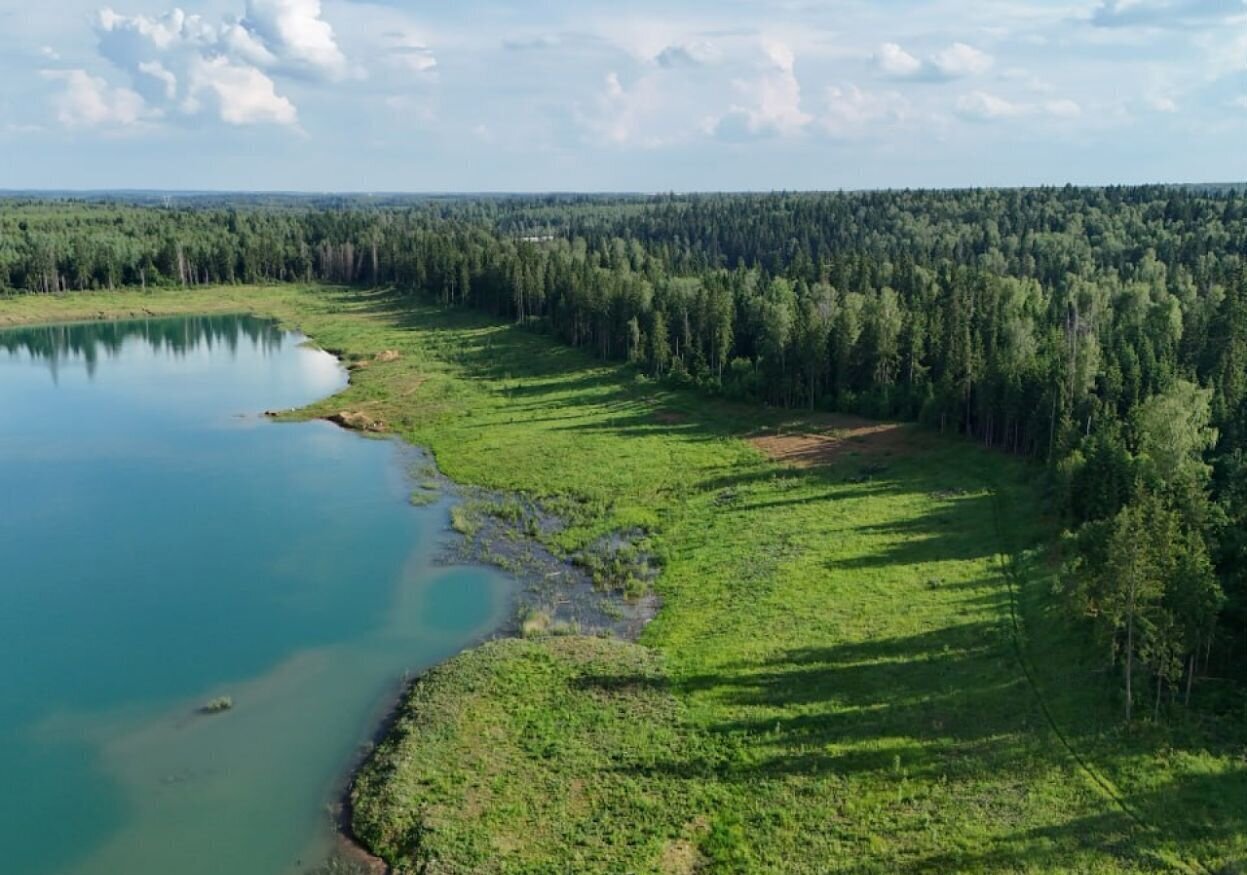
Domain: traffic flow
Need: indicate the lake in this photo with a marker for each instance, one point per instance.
(162, 543)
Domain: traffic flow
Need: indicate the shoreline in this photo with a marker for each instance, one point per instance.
(498, 543)
(537, 566)
(538, 572)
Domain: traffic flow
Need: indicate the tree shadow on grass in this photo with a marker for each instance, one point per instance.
(1177, 831)
(950, 709)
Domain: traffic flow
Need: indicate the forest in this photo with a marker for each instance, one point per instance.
(1099, 332)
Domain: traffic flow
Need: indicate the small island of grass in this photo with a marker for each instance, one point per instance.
(217, 706)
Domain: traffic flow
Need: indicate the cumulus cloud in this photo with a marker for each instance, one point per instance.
(241, 95)
(954, 62)
(187, 65)
(851, 112)
(88, 101)
(982, 106)
(769, 103)
(894, 61)
(960, 59)
(616, 120)
(294, 33)
(637, 114)
(183, 65)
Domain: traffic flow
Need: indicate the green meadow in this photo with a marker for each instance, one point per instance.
(859, 664)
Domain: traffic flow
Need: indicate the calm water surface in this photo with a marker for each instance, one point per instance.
(161, 543)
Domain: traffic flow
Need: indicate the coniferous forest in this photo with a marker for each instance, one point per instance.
(1101, 333)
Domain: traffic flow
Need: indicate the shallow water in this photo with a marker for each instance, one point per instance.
(161, 543)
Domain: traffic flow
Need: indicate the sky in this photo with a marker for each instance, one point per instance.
(470, 95)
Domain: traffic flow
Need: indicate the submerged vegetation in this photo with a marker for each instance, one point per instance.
(881, 648)
(217, 705)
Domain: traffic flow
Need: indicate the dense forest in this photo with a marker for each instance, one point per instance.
(1102, 332)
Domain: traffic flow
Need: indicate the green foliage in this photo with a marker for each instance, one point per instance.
(1149, 584)
(423, 496)
(464, 520)
(554, 750)
(726, 848)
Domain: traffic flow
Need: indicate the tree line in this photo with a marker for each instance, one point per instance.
(1100, 331)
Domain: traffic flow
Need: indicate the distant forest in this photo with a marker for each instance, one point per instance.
(1101, 332)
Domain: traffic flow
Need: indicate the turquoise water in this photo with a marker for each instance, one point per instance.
(161, 543)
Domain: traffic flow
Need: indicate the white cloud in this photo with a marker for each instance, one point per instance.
(1026, 79)
(241, 94)
(185, 65)
(954, 62)
(294, 32)
(639, 114)
(770, 103)
(960, 59)
(615, 123)
(1062, 108)
(246, 46)
(852, 112)
(984, 106)
(88, 101)
(894, 61)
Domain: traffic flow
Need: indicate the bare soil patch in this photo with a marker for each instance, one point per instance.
(822, 440)
(357, 420)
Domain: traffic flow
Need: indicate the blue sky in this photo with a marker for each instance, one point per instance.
(320, 95)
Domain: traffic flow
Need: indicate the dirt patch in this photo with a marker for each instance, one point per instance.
(670, 417)
(823, 440)
(357, 421)
(680, 857)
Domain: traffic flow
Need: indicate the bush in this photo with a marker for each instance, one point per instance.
(217, 705)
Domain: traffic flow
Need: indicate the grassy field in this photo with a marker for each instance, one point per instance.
(859, 665)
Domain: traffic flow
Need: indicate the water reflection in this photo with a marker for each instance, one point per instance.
(56, 345)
